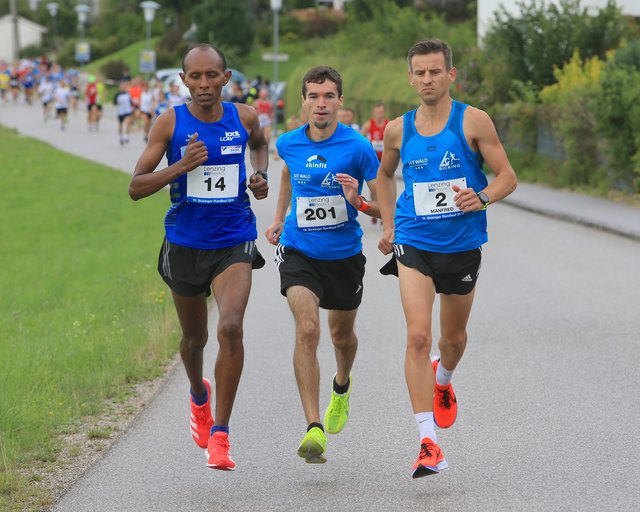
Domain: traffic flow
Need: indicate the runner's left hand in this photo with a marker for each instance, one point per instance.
(349, 188)
(259, 186)
(466, 199)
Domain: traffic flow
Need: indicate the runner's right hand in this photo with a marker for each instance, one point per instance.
(273, 232)
(386, 242)
(195, 154)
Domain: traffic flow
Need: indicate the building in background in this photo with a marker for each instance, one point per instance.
(30, 33)
(487, 8)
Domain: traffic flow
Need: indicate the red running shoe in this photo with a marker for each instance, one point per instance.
(201, 419)
(445, 405)
(218, 456)
(430, 460)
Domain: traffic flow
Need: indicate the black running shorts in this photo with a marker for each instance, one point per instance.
(190, 272)
(337, 283)
(452, 273)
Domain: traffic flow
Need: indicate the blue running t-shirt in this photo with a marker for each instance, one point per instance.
(210, 206)
(322, 224)
(426, 215)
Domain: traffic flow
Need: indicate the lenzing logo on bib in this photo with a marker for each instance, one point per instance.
(228, 136)
(317, 162)
(449, 161)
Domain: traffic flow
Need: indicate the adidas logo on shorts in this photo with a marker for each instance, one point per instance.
(467, 278)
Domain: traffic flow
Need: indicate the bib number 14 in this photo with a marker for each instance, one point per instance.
(213, 183)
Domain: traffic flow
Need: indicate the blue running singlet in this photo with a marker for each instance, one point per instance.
(426, 215)
(322, 224)
(210, 207)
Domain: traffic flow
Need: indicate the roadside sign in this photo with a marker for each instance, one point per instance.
(147, 61)
(281, 57)
(83, 52)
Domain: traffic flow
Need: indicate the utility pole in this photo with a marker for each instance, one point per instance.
(16, 32)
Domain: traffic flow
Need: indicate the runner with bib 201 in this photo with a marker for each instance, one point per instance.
(319, 246)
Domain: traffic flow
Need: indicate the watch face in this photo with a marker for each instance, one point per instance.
(484, 198)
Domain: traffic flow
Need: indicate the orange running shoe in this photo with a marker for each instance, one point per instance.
(430, 460)
(218, 456)
(201, 419)
(445, 405)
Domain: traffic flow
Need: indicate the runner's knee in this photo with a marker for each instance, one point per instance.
(419, 343)
(229, 332)
(308, 333)
(454, 337)
(193, 342)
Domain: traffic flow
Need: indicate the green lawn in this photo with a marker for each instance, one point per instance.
(83, 313)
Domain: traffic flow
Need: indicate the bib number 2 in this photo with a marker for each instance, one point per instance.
(434, 200)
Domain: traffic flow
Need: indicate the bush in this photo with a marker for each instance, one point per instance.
(113, 69)
(574, 118)
(323, 24)
(225, 22)
(517, 121)
(618, 117)
(544, 36)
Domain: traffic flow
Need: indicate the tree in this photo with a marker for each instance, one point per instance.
(543, 37)
(226, 24)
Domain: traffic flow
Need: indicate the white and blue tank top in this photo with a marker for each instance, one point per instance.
(426, 215)
(210, 207)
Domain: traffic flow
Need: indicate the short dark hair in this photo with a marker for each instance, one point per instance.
(319, 75)
(427, 46)
(203, 46)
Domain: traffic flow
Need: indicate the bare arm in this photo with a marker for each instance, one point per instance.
(284, 200)
(350, 190)
(364, 129)
(259, 151)
(482, 135)
(145, 181)
(387, 189)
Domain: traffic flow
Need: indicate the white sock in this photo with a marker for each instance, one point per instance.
(443, 376)
(426, 426)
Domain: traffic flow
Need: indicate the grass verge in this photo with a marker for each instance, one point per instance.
(80, 306)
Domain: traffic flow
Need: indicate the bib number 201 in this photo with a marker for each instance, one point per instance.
(320, 213)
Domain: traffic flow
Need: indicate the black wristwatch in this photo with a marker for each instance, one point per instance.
(484, 199)
(263, 174)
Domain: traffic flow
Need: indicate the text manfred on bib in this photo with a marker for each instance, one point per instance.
(434, 200)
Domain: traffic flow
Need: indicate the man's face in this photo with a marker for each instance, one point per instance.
(204, 76)
(322, 103)
(430, 78)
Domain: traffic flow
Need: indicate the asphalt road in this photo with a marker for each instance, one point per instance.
(547, 391)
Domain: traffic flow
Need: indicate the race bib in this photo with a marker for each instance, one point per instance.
(434, 200)
(378, 145)
(322, 212)
(213, 183)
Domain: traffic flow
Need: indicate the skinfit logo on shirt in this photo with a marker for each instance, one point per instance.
(316, 162)
(449, 161)
(228, 136)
